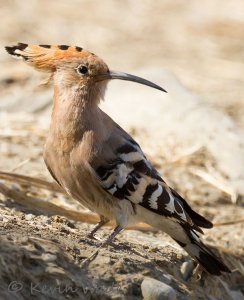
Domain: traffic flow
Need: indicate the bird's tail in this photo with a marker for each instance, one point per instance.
(201, 253)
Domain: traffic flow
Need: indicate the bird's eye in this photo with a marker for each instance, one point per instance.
(82, 70)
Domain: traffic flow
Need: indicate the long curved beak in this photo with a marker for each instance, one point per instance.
(128, 77)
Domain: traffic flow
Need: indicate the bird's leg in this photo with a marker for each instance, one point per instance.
(116, 231)
(102, 222)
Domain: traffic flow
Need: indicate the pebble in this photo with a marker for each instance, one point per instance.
(5, 219)
(153, 289)
(29, 217)
(46, 220)
(187, 269)
(48, 257)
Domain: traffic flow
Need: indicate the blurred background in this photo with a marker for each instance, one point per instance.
(194, 134)
(201, 43)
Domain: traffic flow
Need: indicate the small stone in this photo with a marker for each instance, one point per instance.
(15, 187)
(48, 257)
(76, 250)
(46, 220)
(153, 249)
(187, 269)
(29, 217)
(5, 220)
(64, 229)
(9, 237)
(153, 289)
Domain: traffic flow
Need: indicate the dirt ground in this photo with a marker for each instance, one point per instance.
(43, 239)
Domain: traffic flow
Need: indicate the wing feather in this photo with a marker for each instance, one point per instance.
(132, 177)
(129, 175)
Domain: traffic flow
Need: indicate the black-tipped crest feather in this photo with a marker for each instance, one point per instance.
(12, 49)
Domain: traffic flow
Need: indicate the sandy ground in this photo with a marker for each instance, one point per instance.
(41, 251)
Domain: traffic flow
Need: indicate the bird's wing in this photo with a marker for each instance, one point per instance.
(125, 173)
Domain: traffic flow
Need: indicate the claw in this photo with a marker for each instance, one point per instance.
(89, 259)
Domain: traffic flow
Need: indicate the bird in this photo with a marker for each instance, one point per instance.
(98, 163)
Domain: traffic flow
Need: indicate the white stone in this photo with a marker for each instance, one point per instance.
(153, 289)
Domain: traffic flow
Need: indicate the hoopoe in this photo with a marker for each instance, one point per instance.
(100, 164)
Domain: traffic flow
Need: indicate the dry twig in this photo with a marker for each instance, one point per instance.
(217, 181)
(40, 183)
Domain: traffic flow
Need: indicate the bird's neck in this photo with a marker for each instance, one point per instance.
(73, 114)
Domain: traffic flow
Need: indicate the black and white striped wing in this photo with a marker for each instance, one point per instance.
(129, 175)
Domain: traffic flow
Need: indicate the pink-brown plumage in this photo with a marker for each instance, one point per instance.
(98, 163)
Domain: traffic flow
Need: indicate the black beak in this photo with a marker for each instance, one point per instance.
(128, 77)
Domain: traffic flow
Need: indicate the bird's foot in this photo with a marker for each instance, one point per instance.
(89, 259)
(93, 237)
(102, 222)
(108, 241)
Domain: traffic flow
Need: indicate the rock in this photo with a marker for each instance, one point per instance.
(45, 220)
(186, 269)
(29, 217)
(49, 257)
(153, 289)
(233, 295)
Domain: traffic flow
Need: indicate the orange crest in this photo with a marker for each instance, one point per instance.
(45, 57)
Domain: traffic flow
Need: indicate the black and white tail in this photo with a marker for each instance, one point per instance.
(202, 254)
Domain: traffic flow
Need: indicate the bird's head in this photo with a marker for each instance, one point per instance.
(72, 67)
